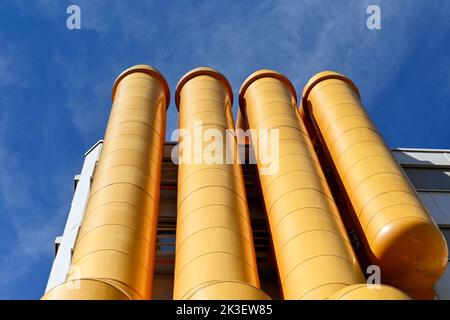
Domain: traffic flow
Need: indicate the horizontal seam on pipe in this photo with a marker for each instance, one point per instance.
(214, 252)
(189, 117)
(151, 100)
(115, 125)
(116, 113)
(325, 211)
(99, 174)
(297, 189)
(191, 102)
(123, 183)
(112, 202)
(145, 154)
(112, 224)
(354, 289)
(204, 169)
(135, 109)
(302, 133)
(209, 110)
(322, 285)
(387, 207)
(373, 175)
(203, 285)
(124, 108)
(270, 101)
(313, 230)
(133, 113)
(363, 113)
(270, 81)
(203, 125)
(311, 258)
(340, 84)
(406, 217)
(209, 186)
(315, 174)
(191, 91)
(288, 105)
(123, 283)
(102, 170)
(222, 157)
(379, 195)
(347, 170)
(349, 130)
(99, 280)
(148, 88)
(143, 138)
(308, 156)
(90, 214)
(356, 143)
(323, 97)
(347, 90)
(180, 245)
(232, 176)
(296, 140)
(110, 249)
(277, 114)
(212, 205)
(328, 109)
(342, 118)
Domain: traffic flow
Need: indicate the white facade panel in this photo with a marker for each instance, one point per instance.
(61, 264)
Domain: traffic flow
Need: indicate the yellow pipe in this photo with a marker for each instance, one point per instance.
(313, 253)
(401, 237)
(114, 251)
(215, 257)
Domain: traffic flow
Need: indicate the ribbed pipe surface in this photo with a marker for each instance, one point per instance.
(313, 253)
(215, 257)
(401, 237)
(115, 248)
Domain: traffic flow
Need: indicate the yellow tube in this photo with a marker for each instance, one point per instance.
(215, 256)
(114, 251)
(313, 253)
(400, 235)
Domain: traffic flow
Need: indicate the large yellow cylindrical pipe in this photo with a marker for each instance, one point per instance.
(115, 248)
(215, 256)
(313, 253)
(400, 235)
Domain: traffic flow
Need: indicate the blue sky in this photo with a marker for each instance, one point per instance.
(55, 85)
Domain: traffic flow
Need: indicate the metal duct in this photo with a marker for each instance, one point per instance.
(114, 251)
(215, 256)
(313, 253)
(401, 237)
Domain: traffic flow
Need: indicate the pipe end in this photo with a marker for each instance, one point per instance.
(322, 76)
(264, 73)
(143, 68)
(202, 71)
